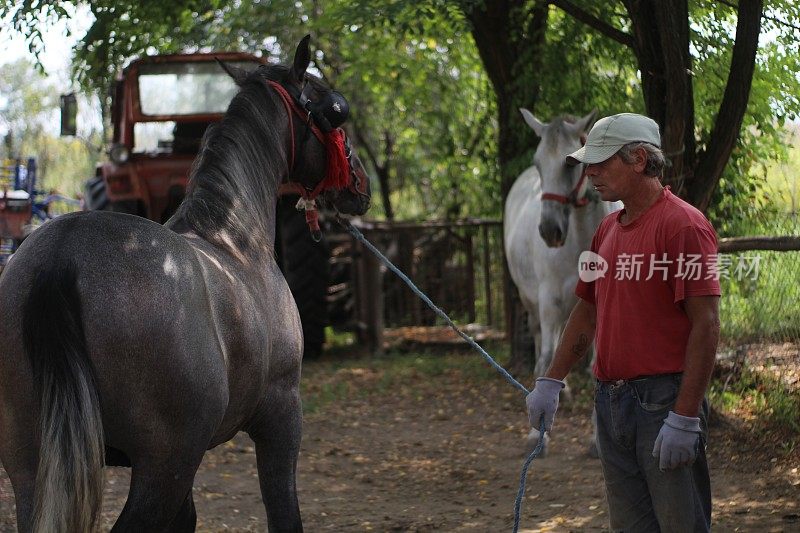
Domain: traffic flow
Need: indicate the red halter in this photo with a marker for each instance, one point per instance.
(572, 198)
(338, 172)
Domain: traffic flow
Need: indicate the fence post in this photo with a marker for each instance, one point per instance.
(470, 254)
(486, 274)
(370, 296)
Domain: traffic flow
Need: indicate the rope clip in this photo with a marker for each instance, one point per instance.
(309, 205)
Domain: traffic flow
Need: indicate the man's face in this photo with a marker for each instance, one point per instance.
(614, 179)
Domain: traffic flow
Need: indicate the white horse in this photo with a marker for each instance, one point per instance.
(557, 199)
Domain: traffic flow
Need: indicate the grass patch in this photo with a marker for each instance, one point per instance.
(760, 400)
(338, 340)
(330, 382)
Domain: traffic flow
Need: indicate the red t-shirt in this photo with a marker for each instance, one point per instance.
(654, 263)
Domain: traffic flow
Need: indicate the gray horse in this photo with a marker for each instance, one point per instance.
(550, 216)
(130, 343)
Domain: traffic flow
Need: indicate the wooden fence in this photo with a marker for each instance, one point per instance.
(458, 264)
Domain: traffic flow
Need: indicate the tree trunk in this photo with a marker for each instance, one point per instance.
(510, 52)
(383, 180)
(661, 45)
(382, 168)
(723, 138)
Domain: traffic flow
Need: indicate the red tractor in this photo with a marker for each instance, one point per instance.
(161, 106)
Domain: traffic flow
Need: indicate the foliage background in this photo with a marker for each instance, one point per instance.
(424, 112)
(28, 110)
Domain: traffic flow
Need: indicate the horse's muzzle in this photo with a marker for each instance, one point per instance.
(355, 199)
(552, 235)
(348, 203)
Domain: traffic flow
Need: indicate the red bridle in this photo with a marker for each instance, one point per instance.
(572, 198)
(339, 172)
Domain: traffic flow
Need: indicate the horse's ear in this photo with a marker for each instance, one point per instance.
(586, 122)
(536, 125)
(238, 74)
(302, 57)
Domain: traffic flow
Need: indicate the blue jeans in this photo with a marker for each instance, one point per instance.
(640, 496)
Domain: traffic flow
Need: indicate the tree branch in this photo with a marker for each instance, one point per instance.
(593, 22)
(746, 244)
(490, 20)
(364, 143)
(677, 128)
(765, 17)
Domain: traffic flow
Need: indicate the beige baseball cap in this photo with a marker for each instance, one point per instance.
(609, 134)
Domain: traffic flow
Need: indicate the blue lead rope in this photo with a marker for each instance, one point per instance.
(503, 372)
(521, 491)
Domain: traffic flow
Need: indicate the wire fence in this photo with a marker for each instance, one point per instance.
(761, 289)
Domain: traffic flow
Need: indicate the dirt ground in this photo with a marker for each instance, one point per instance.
(436, 443)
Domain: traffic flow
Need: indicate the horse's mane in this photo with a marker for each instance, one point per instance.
(234, 180)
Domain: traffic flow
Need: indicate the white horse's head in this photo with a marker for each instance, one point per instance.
(563, 187)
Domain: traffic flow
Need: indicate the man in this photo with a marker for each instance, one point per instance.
(654, 317)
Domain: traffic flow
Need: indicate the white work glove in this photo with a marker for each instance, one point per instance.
(543, 400)
(676, 444)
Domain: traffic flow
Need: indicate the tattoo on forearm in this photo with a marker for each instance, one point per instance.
(579, 348)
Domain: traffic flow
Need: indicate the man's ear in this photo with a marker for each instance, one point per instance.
(641, 160)
(302, 58)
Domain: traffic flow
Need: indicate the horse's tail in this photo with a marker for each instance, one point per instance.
(69, 478)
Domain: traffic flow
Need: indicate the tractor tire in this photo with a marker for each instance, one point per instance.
(94, 194)
(305, 265)
(96, 199)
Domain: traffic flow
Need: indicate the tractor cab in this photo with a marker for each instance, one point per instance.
(161, 107)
